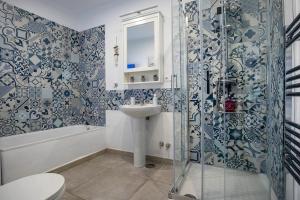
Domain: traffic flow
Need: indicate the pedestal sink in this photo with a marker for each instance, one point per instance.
(139, 114)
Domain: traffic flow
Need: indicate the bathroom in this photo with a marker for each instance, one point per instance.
(149, 99)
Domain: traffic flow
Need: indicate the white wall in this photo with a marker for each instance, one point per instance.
(119, 133)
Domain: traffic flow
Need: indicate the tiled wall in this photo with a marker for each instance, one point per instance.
(117, 98)
(92, 67)
(50, 76)
(241, 142)
(276, 70)
(39, 79)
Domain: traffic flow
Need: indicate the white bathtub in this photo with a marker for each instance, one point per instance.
(38, 152)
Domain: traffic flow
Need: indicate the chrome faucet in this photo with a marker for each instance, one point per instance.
(142, 102)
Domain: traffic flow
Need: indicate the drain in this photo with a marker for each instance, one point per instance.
(150, 165)
(190, 196)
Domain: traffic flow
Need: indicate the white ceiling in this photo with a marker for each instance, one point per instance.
(73, 6)
(65, 12)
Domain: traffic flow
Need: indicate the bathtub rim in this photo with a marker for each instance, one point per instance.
(94, 128)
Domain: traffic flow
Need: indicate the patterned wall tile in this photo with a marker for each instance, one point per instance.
(276, 72)
(92, 68)
(117, 98)
(240, 143)
(50, 76)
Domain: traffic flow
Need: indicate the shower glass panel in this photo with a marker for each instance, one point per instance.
(213, 92)
(220, 60)
(246, 62)
(180, 95)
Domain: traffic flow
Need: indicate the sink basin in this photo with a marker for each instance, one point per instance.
(141, 111)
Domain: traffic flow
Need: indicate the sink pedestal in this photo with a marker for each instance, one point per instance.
(139, 141)
(138, 115)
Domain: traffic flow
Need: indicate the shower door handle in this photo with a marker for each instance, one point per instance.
(207, 82)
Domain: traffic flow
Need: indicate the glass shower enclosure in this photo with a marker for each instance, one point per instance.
(220, 87)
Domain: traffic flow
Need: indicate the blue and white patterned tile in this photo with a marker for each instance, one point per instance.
(41, 84)
(246, 37)
(276, 72)
(117, 98)
(93, 45)
(114, 99)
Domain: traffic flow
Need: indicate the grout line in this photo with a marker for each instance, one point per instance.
(92, 178)
(75, 195)
(138, 189)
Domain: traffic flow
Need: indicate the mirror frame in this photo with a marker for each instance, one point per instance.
(157, 19)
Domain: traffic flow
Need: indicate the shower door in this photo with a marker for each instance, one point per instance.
(180, 94)
(233, 64)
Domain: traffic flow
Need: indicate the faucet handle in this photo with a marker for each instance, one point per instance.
(142, 102)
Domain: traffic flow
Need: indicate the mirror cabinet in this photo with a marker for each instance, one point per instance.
(143, 49)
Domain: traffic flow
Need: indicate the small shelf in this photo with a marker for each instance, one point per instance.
(152, 75)
(228, 81)
(140, 69)
(223, 112)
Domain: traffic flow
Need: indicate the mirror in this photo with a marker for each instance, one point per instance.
(143, 49)
(140, 45)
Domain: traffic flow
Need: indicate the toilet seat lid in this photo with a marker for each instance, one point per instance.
(36, 187)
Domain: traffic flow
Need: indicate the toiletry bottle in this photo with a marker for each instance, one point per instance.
(221, 104)
(143, 78)
(132, 79)
(239, 105)
(230, 104)
(154, 99)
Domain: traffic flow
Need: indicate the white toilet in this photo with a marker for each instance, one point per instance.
(47, 186)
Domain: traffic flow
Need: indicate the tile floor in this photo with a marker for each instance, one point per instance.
(111, 176)
(228, 183)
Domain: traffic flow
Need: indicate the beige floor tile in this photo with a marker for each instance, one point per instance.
(110, 160)
(112, 184)
(82, 173)
(152, 191)
(68, 196)
(112, 176)
(163, 175)
(143, 171)
(77, 176)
